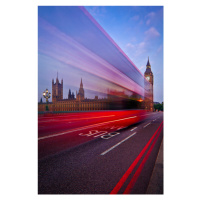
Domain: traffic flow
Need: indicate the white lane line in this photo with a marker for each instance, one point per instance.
(117, 144)
(156, 119)
(133, 129)
(147, 125)
(85, 127)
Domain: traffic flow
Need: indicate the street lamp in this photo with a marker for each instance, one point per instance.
(46, 95)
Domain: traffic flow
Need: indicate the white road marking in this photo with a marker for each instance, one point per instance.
(110, 135)
(117, 144)
(92, 133)
(85, 127)
(147, 125)
(133, 129)
(101, 134)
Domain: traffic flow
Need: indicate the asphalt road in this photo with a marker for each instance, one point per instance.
(116, 162)
(60, 132)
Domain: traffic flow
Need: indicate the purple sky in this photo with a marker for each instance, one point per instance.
(108, 55)
(138, 30)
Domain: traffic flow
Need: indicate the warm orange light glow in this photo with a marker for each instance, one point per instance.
(140, 100)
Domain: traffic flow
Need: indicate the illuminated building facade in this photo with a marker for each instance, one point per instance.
(116, 100)
(57, 90)
(148, 86)
(81, 95)
(80, 103)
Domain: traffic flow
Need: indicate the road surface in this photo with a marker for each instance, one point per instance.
(110, 158)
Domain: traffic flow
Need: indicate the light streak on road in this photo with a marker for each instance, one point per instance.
(137, 173)
(78, 119)
(133, 165)
(83, 128)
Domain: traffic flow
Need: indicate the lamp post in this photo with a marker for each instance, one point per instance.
(46, 95)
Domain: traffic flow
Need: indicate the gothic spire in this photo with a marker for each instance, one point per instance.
(57, 77)
(81, 85)
(148, 63)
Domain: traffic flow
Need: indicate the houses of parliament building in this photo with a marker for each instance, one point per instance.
(115, 100)
(80, 103)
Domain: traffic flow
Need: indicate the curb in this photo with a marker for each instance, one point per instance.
(156, 182)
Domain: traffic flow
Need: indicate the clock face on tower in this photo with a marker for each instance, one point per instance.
(148, 78)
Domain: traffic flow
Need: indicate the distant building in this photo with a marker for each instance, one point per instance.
(116, 100)
(81, 95)
(78, 103)
(71, 96)
(57, 90)
(148, 86)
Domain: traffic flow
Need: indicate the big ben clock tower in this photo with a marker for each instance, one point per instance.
(148, 86)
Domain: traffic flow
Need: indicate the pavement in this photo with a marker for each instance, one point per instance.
(79, 169)
(156, 182)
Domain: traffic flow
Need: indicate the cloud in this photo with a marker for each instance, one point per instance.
(150, 17)
(151, 33)
(151, 14)
(160, 48)
(130, 45)
(148, 22)
(97, 11)
(141, 45)
(137, 49)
